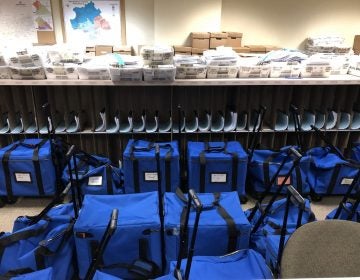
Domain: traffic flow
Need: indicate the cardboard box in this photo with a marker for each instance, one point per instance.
(257, 48)
(197, 51)
(102, 49)
(242, 49)
(90, 49)
(122, 50)
(269, 48)
(234, 39)
(182, 50)
(356, 45)
(218, 39)
(200, 40)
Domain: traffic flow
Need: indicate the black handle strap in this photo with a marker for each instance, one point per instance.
(334, 178)
(135, 163)
(36, 163)
(230, 223)
(21, 235)
(223, 149)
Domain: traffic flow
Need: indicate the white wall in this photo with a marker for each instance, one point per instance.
(288, 23)
(279, 22)
(175, 20)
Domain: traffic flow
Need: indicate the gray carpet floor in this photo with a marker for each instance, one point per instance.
(32, 206)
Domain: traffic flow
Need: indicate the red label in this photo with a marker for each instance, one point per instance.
(281, 179)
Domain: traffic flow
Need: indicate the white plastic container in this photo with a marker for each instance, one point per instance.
(316, 70)
(157, 55)
(222, 56)
(254, 71)
(222, 72)
(25, 60)
(5, 72)
(354, 68)
(87, 72)
(62, 72)
(159, 73)
(196, 71)
(285, 70)
(27, 73)
(126, 73)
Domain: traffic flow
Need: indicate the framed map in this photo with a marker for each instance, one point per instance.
(92, 22)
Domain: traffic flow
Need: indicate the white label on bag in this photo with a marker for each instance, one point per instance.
(150, 176)
(347, 181)
(95, 181)
(218, 178)
(23, 177)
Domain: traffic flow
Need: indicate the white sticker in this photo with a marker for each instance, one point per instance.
(23, 177)
(95, 181)
(218, 177)
(347, 181)
(150, 176)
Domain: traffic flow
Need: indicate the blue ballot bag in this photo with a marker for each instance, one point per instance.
(222, 220)
(217, 167)
(47, 243)
(140, 172)
(27, 169)
(96, 175)
(45, 274)
(136, 239)
(330, 173)
(264, 164)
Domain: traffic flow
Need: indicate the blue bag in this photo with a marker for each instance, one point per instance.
(45, 274)
(103, 276)
(272, 249)
(355, 155)
(140, 173)
(330, 174)
(223, 227)
(265, 163)
(217, 167)
(137, 236)
(47, 243)
(241, 265)
(96, 175)
(344, 214)
(273, 222)
(27, 169)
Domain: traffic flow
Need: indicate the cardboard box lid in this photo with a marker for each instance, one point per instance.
(196, 50)
(90, 49)
(235, 34)
(218, 35)
(182, 49)
(241, 49)
(200, 35)
(271, 48)
(122, 48)
(257, 48)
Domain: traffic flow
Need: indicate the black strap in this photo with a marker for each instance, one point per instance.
(202, 158)
(299, 185)
(168, 171)
(135, 173)
(231, 226)
(109, 179)
(234, 171)
(16, 272)
(333, 179)
(182, 225)
(21, 235)
(36, 162)
(5, 162)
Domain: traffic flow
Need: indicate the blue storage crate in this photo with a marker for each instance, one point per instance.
(137, 235)
(27, 169)
(223, 227)
(140, 173)
(217, 167)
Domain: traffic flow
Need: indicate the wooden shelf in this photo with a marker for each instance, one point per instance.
(332, 80)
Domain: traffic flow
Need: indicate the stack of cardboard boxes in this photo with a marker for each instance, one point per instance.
(104, 49)
(356, 46)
